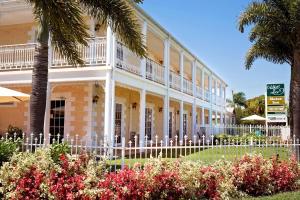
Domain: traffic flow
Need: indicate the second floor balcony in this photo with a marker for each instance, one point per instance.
(20, 57)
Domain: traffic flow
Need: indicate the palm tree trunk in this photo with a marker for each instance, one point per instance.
(291, 122)
(296, 94)
(39, 84)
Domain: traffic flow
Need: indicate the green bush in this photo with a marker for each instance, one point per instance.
(7, 149)
(58, 149)
(237, 139)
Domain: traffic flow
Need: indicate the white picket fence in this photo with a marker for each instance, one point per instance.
(232, 129)
(122, 152)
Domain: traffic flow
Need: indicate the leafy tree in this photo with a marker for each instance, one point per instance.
(275, 34)
(255, 106)
(62, 21)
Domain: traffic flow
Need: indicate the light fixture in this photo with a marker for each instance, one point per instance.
(160, 109)
(134, 105)
(95, 99)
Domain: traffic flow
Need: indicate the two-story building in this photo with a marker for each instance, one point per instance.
(171, 92)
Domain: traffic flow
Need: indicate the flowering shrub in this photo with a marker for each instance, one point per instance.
(37, 176)
(127, 184)
(69, 180)
(28, 186)
(258, 176)
(284, 174)
(252, 175)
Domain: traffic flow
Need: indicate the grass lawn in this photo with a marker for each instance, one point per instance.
(205, 155)
(281, 196)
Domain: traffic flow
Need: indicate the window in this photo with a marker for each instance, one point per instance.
(118, 122)
(148, 123)
(120, 53)
(149, 69)
(170, 124)
(57, 120)
(184, 124)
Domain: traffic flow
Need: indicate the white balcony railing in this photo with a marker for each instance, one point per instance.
(207, 95)
(21, 56)
(187, 86)
(124, 64)
(154, 71)
(174, 80)
(213, 98)
(17, 57)
(199, 93)
(93, 54)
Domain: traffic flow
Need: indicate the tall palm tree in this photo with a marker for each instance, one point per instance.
(62, 21)
(239, 99)
(275, 34)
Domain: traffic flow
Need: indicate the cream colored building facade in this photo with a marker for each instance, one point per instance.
(170, 93)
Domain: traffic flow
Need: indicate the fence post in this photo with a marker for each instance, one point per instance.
(123, 152)
(251, 144)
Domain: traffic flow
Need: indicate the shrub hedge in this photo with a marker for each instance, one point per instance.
(37, 176)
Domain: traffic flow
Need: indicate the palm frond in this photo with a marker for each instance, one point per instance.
(120, 16)
(66, 26)
(269, 49)
(255, 12)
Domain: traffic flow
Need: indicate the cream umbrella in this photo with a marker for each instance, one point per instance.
(254, 118)
(8, 95)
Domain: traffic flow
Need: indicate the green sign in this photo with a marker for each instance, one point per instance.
(276, 111)
(275, 90)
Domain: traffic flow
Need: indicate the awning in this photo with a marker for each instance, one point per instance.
(8, 95)
(254, 118)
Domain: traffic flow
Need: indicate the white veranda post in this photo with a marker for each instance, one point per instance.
(142, 117)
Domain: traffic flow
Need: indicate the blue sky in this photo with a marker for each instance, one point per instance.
(209, 29)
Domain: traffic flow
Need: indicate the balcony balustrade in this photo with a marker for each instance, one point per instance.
(175, 80)
(199, 93)
(206, 95)
(154, 71)
(21, 56)
(187, 86)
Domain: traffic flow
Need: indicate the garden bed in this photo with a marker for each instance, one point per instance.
(52, 174)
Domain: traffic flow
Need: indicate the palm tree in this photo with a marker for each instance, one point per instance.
(275, 34)
(62, 21)
(239, 99)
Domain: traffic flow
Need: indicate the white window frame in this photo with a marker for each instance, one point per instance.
(65, 111)
(185, 112)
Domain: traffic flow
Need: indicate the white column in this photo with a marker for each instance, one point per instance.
(210, 88)
(47, 113)
(167, 60)
(194, 124)
(107, 108)
(194, 77)
(109, 46)
(181, 69)
(203, 116)
(113, 105)
(166, 119)
(142, 116)
(215, 82)
(108, 88)
(92, 27)
(210, 121)
(203, 82)
(181, 120)
(48, 97)
(143, 60)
